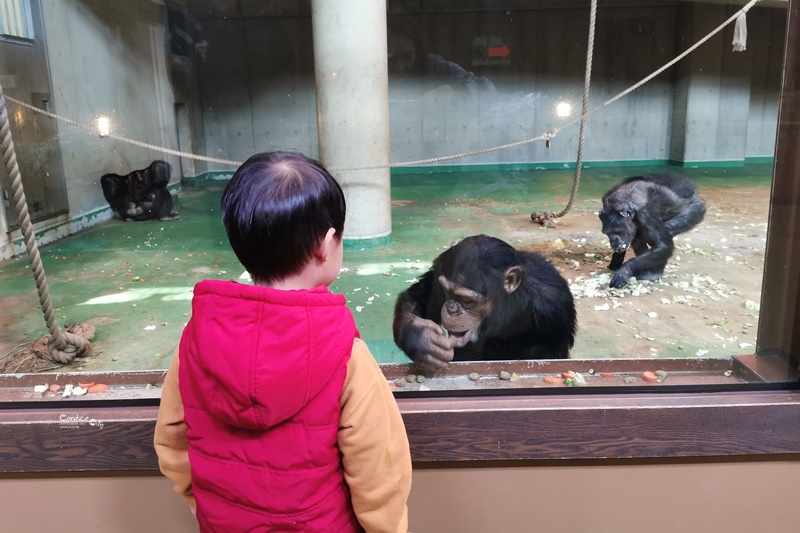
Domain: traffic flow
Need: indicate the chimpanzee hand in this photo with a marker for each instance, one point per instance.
(426, 343)
(621, 277)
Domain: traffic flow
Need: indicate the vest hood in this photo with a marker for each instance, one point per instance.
(255, 356)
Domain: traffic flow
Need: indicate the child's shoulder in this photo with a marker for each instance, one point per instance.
(360, 349)
(362, 358)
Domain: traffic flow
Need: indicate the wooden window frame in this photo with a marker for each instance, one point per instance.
(759, 418)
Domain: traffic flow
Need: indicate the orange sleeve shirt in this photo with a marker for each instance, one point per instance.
(374, 445)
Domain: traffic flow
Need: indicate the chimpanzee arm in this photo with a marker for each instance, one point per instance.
(159, 174)
(691, 214)
(650, 264)
(421, 338)
(616, 260)
(115, 190)
(112, 187)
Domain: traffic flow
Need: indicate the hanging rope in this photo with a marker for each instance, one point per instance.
(547, 218)
(63, 346)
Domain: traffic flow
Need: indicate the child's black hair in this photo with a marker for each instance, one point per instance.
(277, 208)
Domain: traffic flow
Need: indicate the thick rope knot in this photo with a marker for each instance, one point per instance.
(545, 218)
(70, 347)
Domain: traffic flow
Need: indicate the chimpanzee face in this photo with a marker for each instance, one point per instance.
(463, 311)
(618, 225)
(472, 289)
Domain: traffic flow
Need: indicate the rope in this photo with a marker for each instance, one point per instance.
(134, 142)
(63, 346)
(677, 58)
(546, 218)
(541, 137)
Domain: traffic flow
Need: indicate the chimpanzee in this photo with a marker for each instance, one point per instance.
(646, 212)
(140, 195)
(484, 300)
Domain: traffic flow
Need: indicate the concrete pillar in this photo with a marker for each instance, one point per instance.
(712, 95)
(350, 67)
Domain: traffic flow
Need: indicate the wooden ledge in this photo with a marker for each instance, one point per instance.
(81, 436)
(603, 426)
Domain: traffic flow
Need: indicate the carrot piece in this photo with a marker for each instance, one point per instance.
(607, 374)
(54, 387)
(567, 375)
(553, 380)
(650, 376)
(99, 387)
(85, 385)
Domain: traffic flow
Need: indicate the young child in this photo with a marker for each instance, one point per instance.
(278, 406)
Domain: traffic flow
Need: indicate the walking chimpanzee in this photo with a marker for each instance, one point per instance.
(645, 213)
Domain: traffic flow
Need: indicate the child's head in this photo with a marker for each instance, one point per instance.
(277, 210)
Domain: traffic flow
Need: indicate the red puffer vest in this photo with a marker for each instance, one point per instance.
(260, 377)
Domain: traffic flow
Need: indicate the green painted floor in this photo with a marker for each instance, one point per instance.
(133, 280)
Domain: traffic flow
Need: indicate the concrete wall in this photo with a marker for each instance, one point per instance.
(24, 76)
(257, 84)
(107, 58)
(765, 30)
(546, 66)
(712, 95)
(257, 87)
(726, 495)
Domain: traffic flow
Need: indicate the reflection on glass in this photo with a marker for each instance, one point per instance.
(103, 125)
(563, 109)
(480, 97)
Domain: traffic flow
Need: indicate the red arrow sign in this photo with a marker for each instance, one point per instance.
(499, 51)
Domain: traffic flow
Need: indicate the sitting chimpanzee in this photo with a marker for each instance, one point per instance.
(140, 195)
(484, 300)
(646, 212)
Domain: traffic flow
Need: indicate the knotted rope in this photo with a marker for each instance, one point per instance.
(63, 346)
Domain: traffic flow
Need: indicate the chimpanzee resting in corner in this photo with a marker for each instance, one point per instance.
(484, 300)
(140, 195)
(646, 212)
